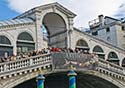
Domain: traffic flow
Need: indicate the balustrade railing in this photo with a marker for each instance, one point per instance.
(25, 63)
(47, 59)
(111, 67)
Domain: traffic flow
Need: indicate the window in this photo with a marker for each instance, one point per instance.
(108, 38)
(108, 29)
(95, 33)
(4, 40)
(123, 28)
(25, 36)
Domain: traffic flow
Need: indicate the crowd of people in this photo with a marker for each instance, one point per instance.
(42, 51)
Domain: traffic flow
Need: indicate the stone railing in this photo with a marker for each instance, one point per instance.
(111, 66)
(24, 65)
(111, 69)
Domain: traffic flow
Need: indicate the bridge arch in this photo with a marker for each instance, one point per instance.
(88, 77)
(6, 48)
(83, 45)
(113, 57)
(54, 23)
(56, 29)
(123, 63)
(99, 51)
(25, 42)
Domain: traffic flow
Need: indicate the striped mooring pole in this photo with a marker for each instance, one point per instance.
(72, 78)
(40, 81)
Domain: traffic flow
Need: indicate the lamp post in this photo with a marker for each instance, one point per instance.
(40, 80)
(72, 78)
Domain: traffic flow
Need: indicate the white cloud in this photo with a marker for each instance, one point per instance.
(86, 10)
(120, 13)
(23, 5)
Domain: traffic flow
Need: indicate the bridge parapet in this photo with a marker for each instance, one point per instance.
(25, 65)
(60, 61)
(111, 66)
(111, 69)
(87, 61)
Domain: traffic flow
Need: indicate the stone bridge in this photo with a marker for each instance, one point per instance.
(16, 72)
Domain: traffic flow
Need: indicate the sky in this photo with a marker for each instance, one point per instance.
(86, 10)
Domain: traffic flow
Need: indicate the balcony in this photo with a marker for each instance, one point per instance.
(94, 23)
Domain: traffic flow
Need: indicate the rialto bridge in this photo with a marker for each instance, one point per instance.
(25, 33)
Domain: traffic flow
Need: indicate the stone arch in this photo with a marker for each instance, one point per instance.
(25, 36)
(54, 23)
(6, 48)
(113, 57)
(123, 63)
(56, 28)
(83, 45)
(9, 36)
(4, 40)
(99, 51)
(88, 73)
(25, 42)
(28, 31)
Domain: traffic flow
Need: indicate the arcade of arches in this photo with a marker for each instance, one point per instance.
(6, 49)
(82, 44)
(25, 43)
(99, 51)
(112, 56)
(123, 62)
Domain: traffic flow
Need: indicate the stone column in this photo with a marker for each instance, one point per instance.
(69, 32)
(72, 78)
(39, 35)
(14, 48)
(40, 81)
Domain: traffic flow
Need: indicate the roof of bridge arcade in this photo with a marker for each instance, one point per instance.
(15, 22)
(51, 5)
(22, 19)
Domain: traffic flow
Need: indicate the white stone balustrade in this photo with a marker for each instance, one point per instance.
(25, 63)
(110, 66)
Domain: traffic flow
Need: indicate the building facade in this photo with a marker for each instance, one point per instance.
(109, 29)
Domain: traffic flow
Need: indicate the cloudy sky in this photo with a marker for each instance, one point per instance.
(86, 10)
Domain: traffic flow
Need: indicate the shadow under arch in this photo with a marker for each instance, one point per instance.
(113, 58)
(6, 47)
(123, 62)
(81, 44)
(55, 26)
(60, 80)
(99, 51)
(25, 42)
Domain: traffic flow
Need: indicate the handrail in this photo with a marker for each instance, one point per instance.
(111, 67)
(25, 63)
